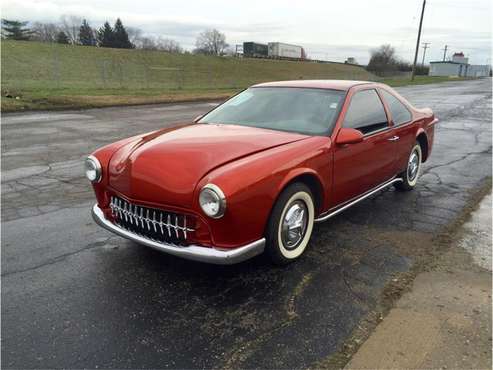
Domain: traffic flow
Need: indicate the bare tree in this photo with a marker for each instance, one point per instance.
(229, 51)
(45, 32)
(70, 25)
(169, 45)
(147, 43)
(383, 59)
(211, 42)
(159, 43)
(134, 35)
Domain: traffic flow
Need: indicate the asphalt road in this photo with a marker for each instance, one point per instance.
(75, 296)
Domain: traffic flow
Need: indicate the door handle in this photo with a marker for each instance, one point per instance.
(394, 138)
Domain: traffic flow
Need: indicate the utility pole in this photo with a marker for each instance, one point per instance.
(445, 52)
(239, 50)
(417, 41)
(425, 46)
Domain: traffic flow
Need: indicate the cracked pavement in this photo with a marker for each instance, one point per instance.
(76, 296)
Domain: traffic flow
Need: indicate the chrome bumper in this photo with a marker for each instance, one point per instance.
(191, 252)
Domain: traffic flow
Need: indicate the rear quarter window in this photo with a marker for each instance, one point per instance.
(400, 113)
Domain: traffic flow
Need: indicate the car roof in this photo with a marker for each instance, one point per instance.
(315, 84)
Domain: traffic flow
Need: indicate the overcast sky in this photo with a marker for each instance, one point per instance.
(328, 29)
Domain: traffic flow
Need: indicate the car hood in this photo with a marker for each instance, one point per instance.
(165, 166)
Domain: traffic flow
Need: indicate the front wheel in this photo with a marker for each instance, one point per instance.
(410, 175)
(290, 224)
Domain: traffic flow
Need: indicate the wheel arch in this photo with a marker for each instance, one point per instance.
(311, 179)
(305, 176)
(422, 140)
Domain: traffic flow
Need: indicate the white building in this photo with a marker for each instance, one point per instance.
(459, 67)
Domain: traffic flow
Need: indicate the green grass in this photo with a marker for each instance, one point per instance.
(53, 76)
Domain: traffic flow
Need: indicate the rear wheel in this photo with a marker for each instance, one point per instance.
(410, 175)
(290, 224)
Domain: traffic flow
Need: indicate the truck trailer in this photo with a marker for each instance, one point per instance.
(288, 51)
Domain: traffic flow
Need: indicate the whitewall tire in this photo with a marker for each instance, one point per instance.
(290, 224)
(411, 174)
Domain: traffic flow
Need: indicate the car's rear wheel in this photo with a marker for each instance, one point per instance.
(290, 224)
(410, 175)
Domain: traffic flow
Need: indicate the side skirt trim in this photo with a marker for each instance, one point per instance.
(335, 211)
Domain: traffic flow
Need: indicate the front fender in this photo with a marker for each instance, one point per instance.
(304, 172)
(252, 184)
(104, 155)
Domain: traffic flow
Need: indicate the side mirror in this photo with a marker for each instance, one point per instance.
(349, 136)
(197, 119)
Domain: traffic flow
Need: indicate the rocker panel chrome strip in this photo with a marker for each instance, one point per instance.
(350, 203)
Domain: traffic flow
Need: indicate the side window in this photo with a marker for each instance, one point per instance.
(400, 114)
(366, 112)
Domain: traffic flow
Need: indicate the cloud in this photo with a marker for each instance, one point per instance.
(327, 29)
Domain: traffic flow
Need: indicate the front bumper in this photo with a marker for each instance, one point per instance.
(191, 252)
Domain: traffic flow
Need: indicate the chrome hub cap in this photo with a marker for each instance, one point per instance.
(413, 166)
(294, 225)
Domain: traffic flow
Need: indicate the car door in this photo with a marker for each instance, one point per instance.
(361, 166)
(404, 130)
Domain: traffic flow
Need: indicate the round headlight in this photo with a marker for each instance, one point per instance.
(93, 169)
(212, 201)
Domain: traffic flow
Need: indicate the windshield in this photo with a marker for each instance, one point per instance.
(302, 110)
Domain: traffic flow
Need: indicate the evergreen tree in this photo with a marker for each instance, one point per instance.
(106, 36)
(86, 34)
(121, 36)
(62, 38)
(15, 30)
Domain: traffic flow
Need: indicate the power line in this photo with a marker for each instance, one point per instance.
(425, 46)
(417, 41)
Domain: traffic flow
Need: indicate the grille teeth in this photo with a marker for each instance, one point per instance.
(130, 216)
(136, 216)
(147, 219)
(168, 225)
(176, 225)
(138, 219)
(161, 225)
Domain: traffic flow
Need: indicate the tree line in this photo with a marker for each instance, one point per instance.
(77, 31)
(70, 30)
(384, 61)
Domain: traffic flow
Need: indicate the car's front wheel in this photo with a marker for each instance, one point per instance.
(290, 224)
(410, 175)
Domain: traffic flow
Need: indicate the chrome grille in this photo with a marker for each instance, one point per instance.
(151, 223)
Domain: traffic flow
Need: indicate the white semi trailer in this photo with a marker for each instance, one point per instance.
(281, 50)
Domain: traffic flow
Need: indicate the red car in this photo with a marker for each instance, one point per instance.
(255, 173)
